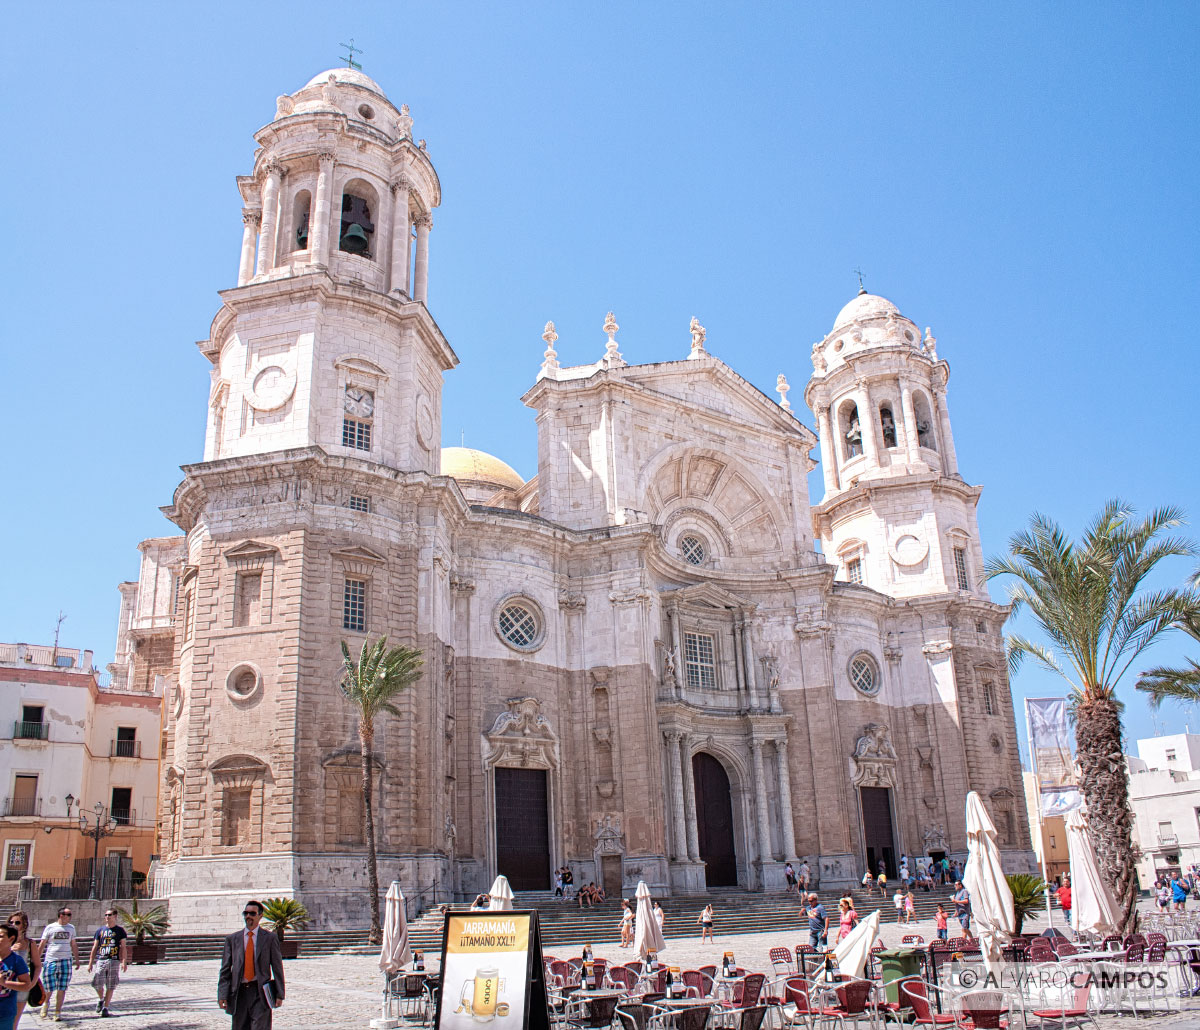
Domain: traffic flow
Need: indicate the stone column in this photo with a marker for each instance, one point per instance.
(949, 458)
(828, 450)
(318, 230)
(421, 262)
(401, 237)
(677, 644)
(689, 799)
(786, 827)
(867, 418)
(250, 222)
(676, 787)
(910, 423)
(760, 803)
(748, 662)
(270, 217)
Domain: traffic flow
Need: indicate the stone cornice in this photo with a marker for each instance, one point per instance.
(874, 365)
(869, 492)
(320, 285)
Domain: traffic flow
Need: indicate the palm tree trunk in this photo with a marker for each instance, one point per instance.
(366, 734)
(1106, 791)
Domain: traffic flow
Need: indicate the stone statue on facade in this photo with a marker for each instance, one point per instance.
(698, 336)
(874, 758)
(404, 123)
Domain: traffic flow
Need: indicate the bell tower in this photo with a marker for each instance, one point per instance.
(327, 339)
(896, 515)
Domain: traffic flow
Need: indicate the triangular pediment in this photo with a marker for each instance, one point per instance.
(358, 554)
(251, 549)
(363, 366)
(706, 595)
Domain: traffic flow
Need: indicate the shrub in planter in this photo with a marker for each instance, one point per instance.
(140, 925)
(281, 915)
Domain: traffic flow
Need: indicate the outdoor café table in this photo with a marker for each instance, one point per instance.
(683, 1003)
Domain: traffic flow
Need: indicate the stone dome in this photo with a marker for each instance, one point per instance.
(347, 77)
(865, 305)
(472, 466)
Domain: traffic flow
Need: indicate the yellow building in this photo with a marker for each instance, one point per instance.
(73, 749)
(1049, 836)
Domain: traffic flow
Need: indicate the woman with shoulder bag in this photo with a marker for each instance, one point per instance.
(24, 947)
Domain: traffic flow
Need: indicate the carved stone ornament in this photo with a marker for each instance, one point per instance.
(404, 123)
(934, 837)
(937, 648)
(874, 758)
(609, 838)
(571, 602)
(284, 105)
(522, 737)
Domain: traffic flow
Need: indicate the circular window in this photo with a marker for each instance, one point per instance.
(864, 675)
(366, 112)
(693, 550)
(519, 625)
(243, 682)
(908, 335)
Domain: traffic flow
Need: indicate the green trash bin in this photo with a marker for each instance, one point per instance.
(895, 964)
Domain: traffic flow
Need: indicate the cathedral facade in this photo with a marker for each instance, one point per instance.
(656, 660)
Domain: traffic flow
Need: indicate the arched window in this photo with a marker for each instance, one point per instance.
(357, 232)
(924, 417)
(301, 209)
(887, 425)
(851, 429)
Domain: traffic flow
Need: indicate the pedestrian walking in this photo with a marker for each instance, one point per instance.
(706, 924)
(250, 961)
(847, 918)
(789, 874)
(1064, 898)
(818, 921)
(898, 901)
(110, 956)
(660, 915)
(626, 924)
(942, 931)
(805, 877)
(910, 906)
(60, 958)
(28, 950)
(14, 977)
(881, 881)
(962, 907)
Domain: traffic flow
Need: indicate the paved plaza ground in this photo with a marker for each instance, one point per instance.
(340, 992)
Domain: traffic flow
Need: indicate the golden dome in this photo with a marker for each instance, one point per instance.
(472, 466)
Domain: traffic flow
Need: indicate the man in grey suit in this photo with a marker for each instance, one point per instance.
(251, 958)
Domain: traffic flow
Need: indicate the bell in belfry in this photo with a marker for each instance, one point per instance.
(355, 240)
(302, 235)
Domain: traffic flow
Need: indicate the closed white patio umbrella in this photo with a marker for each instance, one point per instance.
(1092, 906)
(648, 936)
(501, 895)
(395, 952)
(991, 898)
(854, 949)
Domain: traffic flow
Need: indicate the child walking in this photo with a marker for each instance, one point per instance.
(941, 923)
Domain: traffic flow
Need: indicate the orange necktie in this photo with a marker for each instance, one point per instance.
(248, 973)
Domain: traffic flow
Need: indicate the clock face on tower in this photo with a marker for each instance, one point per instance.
(360, 403)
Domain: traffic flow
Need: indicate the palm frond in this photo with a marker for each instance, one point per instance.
(1163, 683)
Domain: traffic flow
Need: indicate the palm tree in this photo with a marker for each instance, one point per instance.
(1088, 601)
(1182, 684)
(371, 684)
(1029, 897)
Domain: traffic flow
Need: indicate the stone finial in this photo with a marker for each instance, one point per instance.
(930, 343)
(284, 105)
(781, 388)
(420, 144)
(404, 123)
(611, 355)
(329, 91)
(550, 357)
(698, 336)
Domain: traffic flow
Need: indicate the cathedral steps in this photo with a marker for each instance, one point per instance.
(566, 928)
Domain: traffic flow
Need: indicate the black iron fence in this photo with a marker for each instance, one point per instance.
(125, 749)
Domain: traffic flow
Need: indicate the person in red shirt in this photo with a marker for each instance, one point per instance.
(1064, 898)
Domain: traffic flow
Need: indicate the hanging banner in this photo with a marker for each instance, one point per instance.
(492, 973)
(1050, 752)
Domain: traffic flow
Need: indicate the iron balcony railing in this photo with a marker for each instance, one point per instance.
(123, 816)
(125, 749)
(31, 730)
(22, 806)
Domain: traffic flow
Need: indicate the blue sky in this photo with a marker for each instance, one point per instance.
(1021, 177)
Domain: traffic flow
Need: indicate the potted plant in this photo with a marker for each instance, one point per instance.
(152, 924)
(281, 915)
(1029, 896)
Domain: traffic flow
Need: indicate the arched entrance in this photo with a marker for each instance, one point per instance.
(523, 828)
(714, 821)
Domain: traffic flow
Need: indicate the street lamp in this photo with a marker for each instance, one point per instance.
(97, 829)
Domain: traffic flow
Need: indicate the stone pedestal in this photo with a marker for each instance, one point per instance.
(837, 871)
(771, 876)
(687, 878)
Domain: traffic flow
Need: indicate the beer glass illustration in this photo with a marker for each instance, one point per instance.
(480, 994)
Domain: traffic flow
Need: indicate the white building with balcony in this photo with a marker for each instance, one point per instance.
(1164, 792)
(69, 745)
